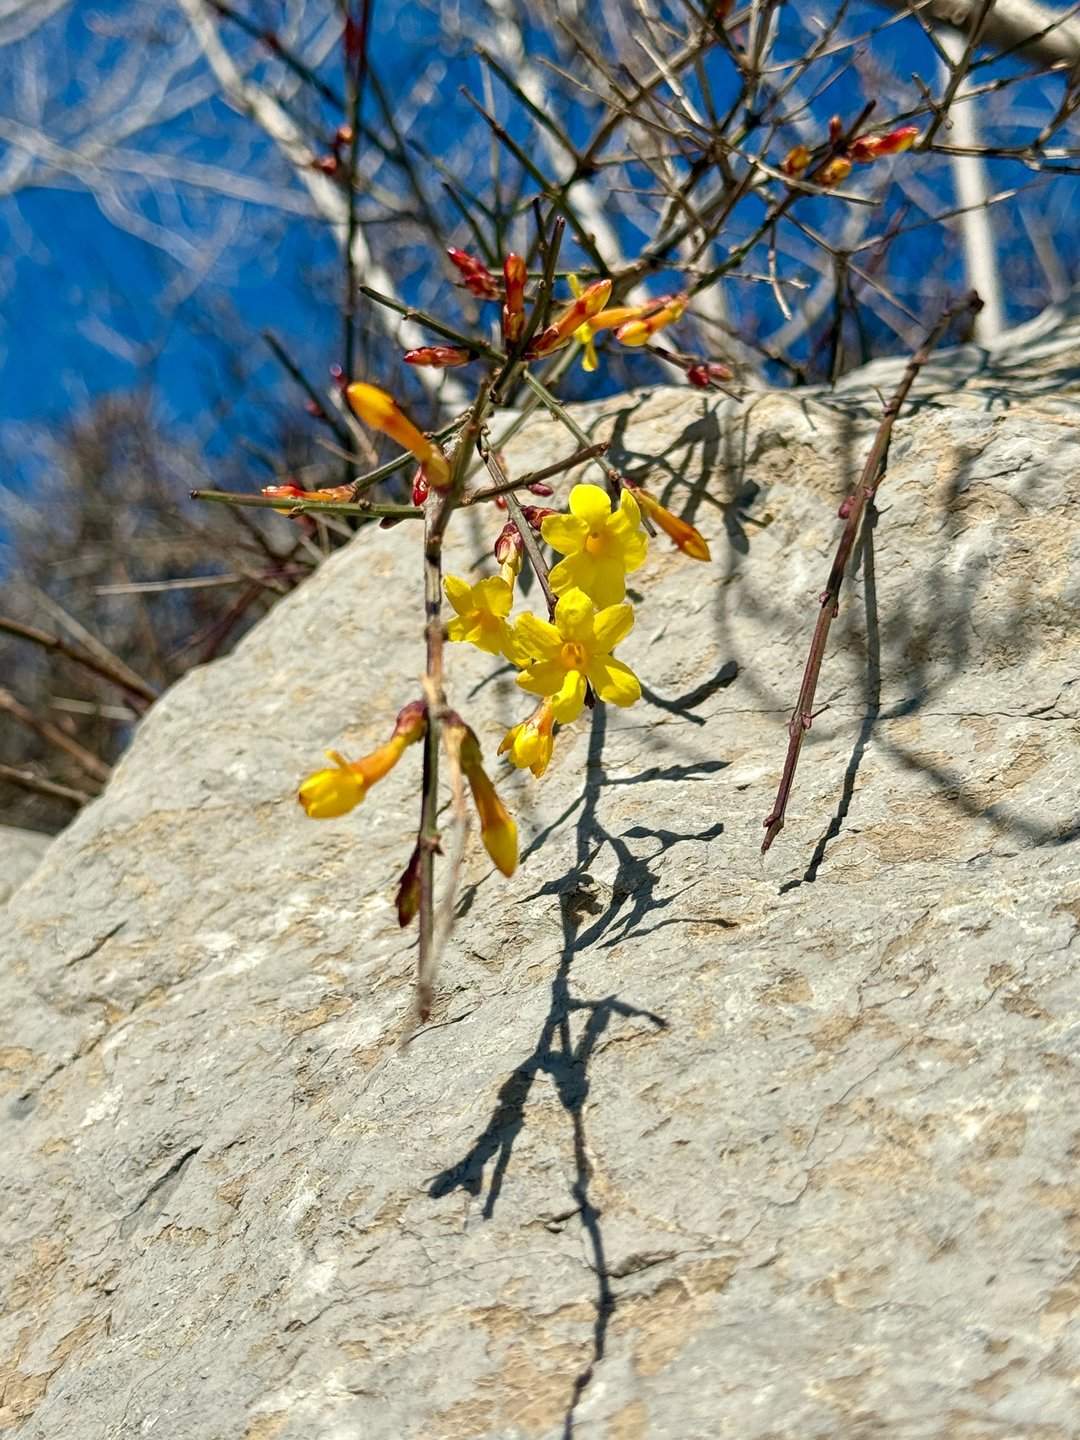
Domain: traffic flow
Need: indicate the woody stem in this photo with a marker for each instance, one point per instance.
(853, 509)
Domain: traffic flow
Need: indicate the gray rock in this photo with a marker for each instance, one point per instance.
(20, 854)
(695, 1145)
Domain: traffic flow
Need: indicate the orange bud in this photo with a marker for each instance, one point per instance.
(795, 161)
(329, 793)
(590, 302)
(381, 411)
(620, 314)
(513, 315)
(285, 492)
(439, 357)
(640, 332)
(833, 172)
(690, 541)
(867, 148)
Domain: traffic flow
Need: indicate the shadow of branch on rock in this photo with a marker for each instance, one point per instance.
(585, 921)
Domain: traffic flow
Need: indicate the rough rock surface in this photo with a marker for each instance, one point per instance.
(20, 853)
(695, 1145)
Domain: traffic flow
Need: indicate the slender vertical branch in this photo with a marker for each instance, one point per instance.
(853, 509)
(356, 73)
(436, 518)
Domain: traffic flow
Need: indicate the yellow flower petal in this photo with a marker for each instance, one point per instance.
(545, 677)
(590, 503)
(614, 682)
(564, 533)
(494, 595)
(574, 616)
(612, 625)
(630, 509)
(570, 701)
(459, 593)
(537, 637)
(603, 581)
(327, 794)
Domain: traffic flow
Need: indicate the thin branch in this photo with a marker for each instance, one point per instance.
(853, 509)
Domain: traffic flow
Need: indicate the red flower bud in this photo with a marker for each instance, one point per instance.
(866, 148)
(508, 543)
(477, 277)
(706, 374)
(540, 487)
(513, 315)
(314, 408)
(439, 357)
(536, 514)
(327, 164)
(420, 488)
(836, 129)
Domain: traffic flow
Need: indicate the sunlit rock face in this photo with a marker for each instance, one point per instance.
(695, 1145)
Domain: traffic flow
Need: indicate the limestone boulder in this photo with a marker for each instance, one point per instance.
(695, 1144)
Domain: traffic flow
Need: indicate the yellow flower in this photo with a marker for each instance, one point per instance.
(588, 302)
(601, 546)
(329, 793)
(481, 615)
(583, 334)
(497, 828)
(689, 540)
(530, 744)
(641, 331)
(381, 411)
(576, 650)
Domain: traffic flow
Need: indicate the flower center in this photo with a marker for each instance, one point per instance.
(595, 543)
(573, 656)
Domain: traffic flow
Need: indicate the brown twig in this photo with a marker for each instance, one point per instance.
(27, 780)
(52, 734)
(560, 467)
(436, 518)
(290, 505)
(853, 511)
(124, 679)
(524, 529)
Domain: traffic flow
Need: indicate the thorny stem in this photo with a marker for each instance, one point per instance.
(854, 509)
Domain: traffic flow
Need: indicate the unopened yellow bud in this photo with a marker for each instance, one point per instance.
(640, 332)
(497, 828)
(382, 412)
(689, 540)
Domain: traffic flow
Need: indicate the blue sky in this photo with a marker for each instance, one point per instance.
(81, 313)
